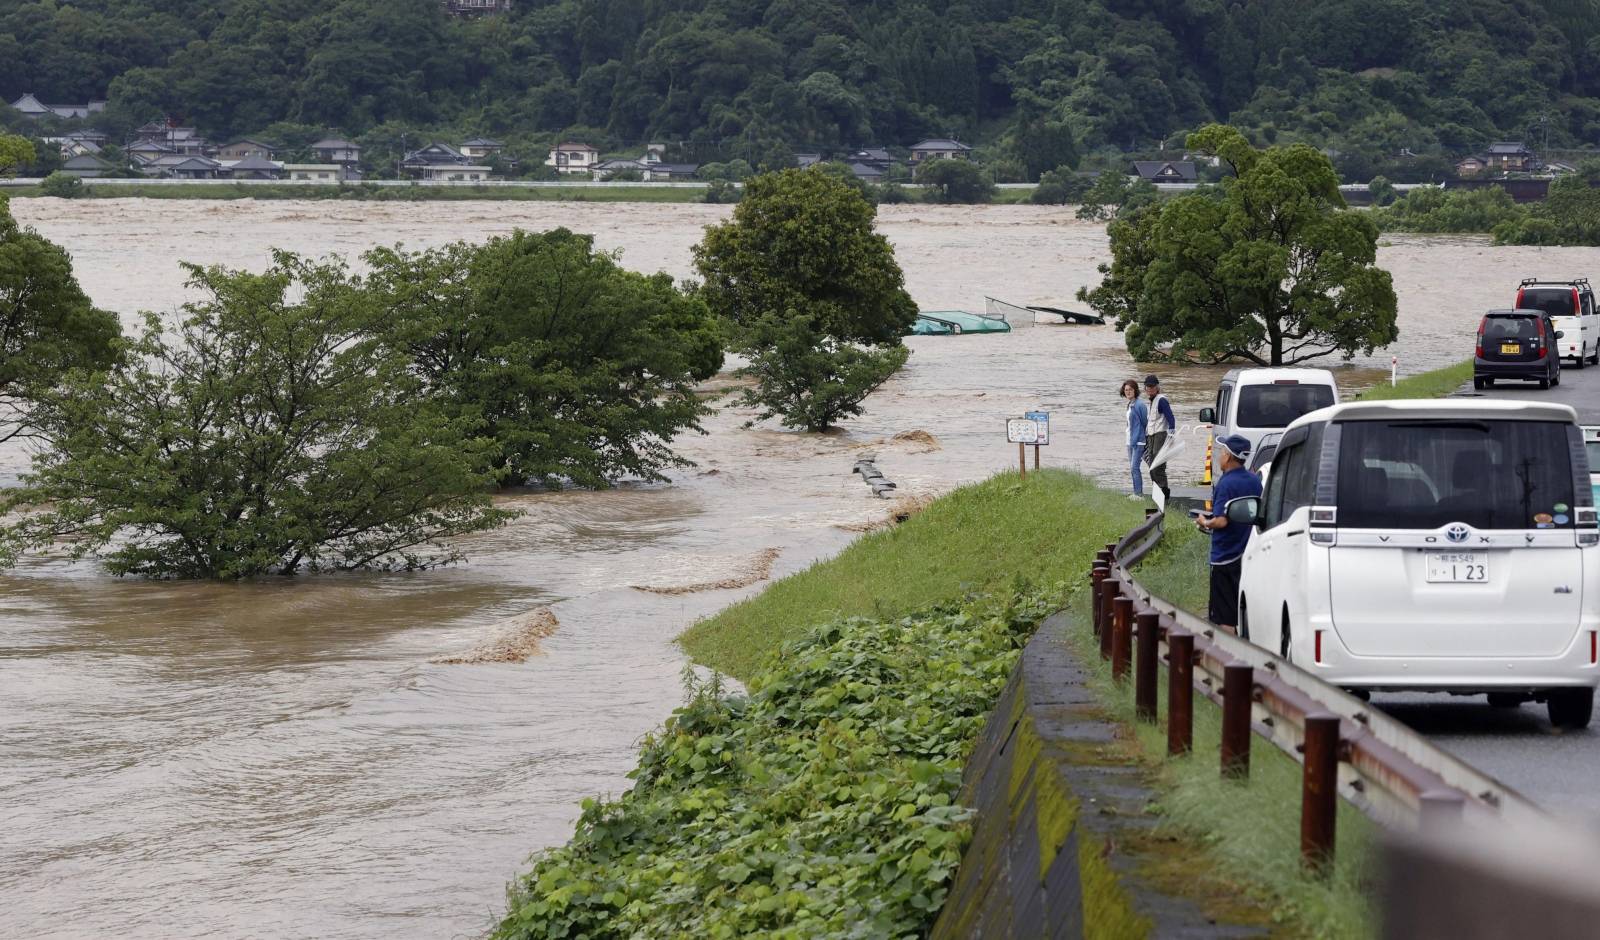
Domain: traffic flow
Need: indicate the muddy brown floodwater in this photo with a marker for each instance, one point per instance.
(284, 759)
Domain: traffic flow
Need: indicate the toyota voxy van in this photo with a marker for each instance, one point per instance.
(1446, 546)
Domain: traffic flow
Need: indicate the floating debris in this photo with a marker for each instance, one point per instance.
(755, 569)
(513, 640)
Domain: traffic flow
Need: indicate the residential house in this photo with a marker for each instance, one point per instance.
(184, 140)
(1560, 169)
(254, 167)
(666, 172)
(337, 150)
(86, 166)
(867, 172)
(1470, 166)
(481, 148)
(803, 160)
(1165, 171)
(195, 168)
(244, 148)
(147, 152)
(443, 163)
(476, 7)
(939, 148)
(569, 157)
(1510, 156)
(609, 168)
(34, 108)
(651, 166)
(321, 172)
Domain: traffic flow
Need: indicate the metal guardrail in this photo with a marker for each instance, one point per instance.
(1349, 749)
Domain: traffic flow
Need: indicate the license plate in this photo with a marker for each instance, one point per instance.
(1458, 567)
(1510, 349)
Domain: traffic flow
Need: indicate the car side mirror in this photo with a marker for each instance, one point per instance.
(1245, 510)
(1208, 416)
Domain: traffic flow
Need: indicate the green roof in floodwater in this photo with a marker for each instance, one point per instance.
(941, 322)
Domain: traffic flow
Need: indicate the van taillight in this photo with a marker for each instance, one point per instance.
(1319, 644)
(1539, 322)
(1594, 648)
(1577, 305)
(1486, 320)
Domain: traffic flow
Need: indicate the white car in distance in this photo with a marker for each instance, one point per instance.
(1446, 546)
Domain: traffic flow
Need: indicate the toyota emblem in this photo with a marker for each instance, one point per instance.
(1457, 533)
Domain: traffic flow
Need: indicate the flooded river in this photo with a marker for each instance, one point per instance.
(283, 758)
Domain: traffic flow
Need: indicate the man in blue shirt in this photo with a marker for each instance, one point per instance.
(1228, 539)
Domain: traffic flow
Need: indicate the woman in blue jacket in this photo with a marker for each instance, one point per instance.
(1138, 418)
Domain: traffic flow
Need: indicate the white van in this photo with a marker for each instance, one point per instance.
(1572, 310)
(1431, 545)
(1255, 402)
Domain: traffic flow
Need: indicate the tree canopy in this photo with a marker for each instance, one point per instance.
(581, 371)
(48, 326)
(270, 430)
(1269, 267)
(1038, 82)
(811, 295)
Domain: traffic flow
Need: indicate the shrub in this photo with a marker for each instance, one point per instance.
(61, 185)
(821, 805)
(959, 181)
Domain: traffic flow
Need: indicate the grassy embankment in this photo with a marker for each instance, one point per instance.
(974, 540)
(1435, 384)
(980, 537)
(358, 192)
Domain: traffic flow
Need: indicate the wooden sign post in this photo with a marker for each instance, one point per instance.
(1022, 432)
(1042, 419)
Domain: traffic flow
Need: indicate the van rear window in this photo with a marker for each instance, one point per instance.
(1275, 406)
(1556, 301)
(1427, 474)
(1510, 327)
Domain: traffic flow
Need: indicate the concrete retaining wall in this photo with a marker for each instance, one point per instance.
(1046, 858)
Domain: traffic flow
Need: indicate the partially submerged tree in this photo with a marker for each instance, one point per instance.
(1270, 267)
(960, 181)
(811, 294)
(262, 434)
(580, 370)
(47, 324)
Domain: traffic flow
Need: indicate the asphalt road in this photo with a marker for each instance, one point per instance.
(1559, 770)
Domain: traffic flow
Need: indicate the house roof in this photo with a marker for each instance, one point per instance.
(481, 142)
(940, 143)
(622, 164)
(1157, 169)
(687, 169)
(1508, 147)
(251, 141)
(865, 170)
(254, 162)
(334, 143)
(196, 163)
(569, 145)
(872, 155)
(90, 135)
(28, 104)
(86, 161)
(435, 153)
(148, 146)
(1469, 159)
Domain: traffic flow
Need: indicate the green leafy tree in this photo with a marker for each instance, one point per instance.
(812, 295)
(958, 181)
(1570, 214)
(61, 185)
(579, 370)
(48, 327)
(1060, 187)
(14, 152)
(1270, 268)
(267, 432)
(1383, 191)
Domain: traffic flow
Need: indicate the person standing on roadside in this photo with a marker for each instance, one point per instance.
(1137, 422)
(1228, 539)
(1158, 432)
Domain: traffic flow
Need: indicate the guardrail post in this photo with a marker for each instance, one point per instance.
(1103, 557)
(1180, 692)
(1096, 578)
(1121, 636)
(1238, 686)
(1319, 791)
(1109, 589)
(1440, 810)
(1144, 666)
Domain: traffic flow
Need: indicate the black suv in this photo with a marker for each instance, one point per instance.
(1517, 344)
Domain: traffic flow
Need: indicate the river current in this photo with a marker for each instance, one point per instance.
(284, 758)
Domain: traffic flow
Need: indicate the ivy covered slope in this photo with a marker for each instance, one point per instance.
(1038, 79)
(822, 804)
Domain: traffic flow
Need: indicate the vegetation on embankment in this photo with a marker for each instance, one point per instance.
(1570, 215)
(821, 805)
(1252, 830)
(1436, 383)
(370, 193)
(976, 539)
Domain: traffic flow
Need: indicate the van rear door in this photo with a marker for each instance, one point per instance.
(1510, 337)
(1455, 538)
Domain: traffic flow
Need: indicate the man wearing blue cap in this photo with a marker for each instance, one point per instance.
(1227, 538)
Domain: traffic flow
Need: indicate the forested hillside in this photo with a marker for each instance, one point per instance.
(1037, 78)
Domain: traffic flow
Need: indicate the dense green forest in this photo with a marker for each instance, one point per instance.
(1035, 82)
